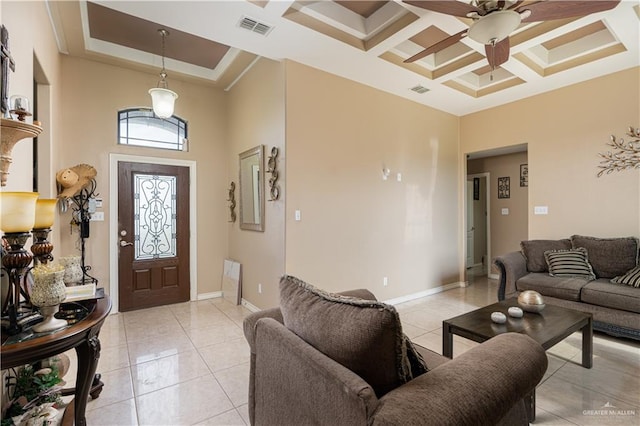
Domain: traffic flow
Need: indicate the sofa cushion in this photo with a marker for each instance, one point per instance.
(609, 257)
(533, 251)
(560, 287)
(632, 278)
(363, 335)
(569, 263)
(601, 292)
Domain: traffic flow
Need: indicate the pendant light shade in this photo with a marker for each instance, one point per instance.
(163, 99)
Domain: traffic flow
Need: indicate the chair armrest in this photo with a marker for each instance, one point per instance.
(512, 267)
(478, 387)
(249, 324)
(296, 384)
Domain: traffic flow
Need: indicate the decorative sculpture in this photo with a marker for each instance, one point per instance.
(271, 169)
(232, 202)
(626, 156)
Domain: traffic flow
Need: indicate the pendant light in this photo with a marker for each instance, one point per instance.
(162, 98)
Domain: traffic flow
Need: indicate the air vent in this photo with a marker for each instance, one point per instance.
(255, 26)
(420, 89)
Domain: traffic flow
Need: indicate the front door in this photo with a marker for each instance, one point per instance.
(153, 226)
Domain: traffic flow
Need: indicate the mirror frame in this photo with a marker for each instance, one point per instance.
(259, 151)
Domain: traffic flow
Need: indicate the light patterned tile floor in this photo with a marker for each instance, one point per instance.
(187, 364)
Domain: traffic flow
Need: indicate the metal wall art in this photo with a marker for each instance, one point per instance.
(232, 202)
(524, 175)
(273, 180)
(504, 187)
(626, 154)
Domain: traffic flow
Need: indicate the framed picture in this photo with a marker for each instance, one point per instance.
(524, 175)
(476, 188)
(504, 187)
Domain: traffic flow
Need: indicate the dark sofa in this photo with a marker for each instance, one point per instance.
(608, 293)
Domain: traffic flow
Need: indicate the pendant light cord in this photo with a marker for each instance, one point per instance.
(163, 74)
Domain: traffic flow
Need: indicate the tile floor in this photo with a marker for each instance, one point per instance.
(187, 364)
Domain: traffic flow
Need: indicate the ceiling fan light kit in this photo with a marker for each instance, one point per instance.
(491, 29)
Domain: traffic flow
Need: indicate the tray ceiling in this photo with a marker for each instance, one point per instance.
(214, 42)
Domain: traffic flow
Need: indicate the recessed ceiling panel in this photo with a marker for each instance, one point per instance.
(119, 28)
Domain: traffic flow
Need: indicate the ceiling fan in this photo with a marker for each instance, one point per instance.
(495, 20)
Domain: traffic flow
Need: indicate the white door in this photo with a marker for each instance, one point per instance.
(470, 227)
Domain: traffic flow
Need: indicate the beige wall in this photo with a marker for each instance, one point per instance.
(257, 117)
(506, 230)
(93, 94)
(36, 58)
(356, 228)
(565, 130)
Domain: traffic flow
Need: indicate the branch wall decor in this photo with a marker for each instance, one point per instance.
(626, 154)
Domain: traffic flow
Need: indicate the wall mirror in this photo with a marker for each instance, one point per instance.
(252, 189)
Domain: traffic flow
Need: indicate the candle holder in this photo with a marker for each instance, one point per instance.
(15, 262)
(41, 247)
(47, 294)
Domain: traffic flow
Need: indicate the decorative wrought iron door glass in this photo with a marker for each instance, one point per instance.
(155, 215)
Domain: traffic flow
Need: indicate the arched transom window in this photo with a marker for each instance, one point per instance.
(141, 127)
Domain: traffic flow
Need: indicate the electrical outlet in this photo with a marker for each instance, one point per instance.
(260, 288)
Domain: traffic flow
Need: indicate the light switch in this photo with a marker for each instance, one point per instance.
(541, 210)
(97, 217)
(297, 215)
(399, 176)
(505, 211)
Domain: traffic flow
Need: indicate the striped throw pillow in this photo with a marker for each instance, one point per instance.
(632, 278)
(569, 263)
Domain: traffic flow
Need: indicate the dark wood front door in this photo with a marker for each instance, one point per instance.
(153, 220)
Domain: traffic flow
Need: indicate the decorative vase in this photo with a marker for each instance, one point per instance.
(72, 270)
(531, 301)
(47, 293)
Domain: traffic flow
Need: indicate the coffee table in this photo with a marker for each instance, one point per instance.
(548, 328)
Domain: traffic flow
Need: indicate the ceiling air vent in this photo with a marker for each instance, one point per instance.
(420, 89)
(255, 26)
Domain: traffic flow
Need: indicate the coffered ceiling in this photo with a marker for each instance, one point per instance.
(214, 42)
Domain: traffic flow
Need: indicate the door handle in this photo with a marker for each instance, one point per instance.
(125, 243)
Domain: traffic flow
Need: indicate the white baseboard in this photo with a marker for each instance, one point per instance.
(425, 293)
(250, 306)
(212, 295)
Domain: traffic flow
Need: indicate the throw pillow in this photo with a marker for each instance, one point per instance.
(533, 251)
(569, 263)
(609, 257)
(365, 336)
(631, 278)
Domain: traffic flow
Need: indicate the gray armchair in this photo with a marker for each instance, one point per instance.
(292, 383)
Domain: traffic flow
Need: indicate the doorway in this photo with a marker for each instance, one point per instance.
(478, 223)
(147, 267)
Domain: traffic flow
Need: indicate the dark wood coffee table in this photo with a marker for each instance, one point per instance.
(548, 328)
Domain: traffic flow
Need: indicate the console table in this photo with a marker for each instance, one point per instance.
(83, 336)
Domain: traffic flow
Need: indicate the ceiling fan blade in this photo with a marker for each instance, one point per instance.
(497, 54)
(559, 9)
(443, 44)
(451, 7)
